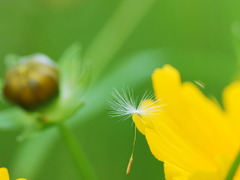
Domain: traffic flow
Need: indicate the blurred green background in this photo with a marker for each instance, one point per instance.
(125, 40)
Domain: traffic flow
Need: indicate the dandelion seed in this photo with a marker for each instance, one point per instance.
(200, 83)
(124, 104)
(130, 162)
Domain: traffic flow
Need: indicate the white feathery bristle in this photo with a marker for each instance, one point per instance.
(199, 83)
(123, 104)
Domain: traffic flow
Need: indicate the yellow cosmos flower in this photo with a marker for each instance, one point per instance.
(194, 137)
(5, 176)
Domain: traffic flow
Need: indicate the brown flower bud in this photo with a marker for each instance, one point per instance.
(31, 83)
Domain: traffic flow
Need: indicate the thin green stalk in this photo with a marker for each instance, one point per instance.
(76, 152)
(236, 45)
(115, 32)
(234, 168)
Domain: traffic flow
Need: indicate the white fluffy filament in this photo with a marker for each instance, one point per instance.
(123, 104)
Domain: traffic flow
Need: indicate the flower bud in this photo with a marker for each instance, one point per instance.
(32, 82)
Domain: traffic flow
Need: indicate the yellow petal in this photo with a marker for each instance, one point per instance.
(167, 88)
(231, 98)
(214, 133)
(150, 108)
(174, 172)
(166, 83)
(4, 174)
(168, 146)
(139, 123)
(205, 176)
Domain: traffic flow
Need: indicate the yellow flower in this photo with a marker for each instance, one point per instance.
(194, 137)
(5, 176)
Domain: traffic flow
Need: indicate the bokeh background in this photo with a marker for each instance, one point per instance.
(125, 41)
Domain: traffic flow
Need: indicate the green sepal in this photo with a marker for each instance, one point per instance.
(74, 79)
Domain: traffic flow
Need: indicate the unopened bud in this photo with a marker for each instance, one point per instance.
(32, 82)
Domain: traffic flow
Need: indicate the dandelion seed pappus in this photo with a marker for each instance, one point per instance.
(124, 105)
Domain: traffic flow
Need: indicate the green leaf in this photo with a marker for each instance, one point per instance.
(12, 118)
(236, 42)
(74, 72)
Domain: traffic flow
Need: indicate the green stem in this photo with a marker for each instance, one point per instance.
(76, 152)
(233, 168)
(115, 32)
